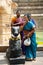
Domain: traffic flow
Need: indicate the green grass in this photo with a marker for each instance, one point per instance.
(39, 38)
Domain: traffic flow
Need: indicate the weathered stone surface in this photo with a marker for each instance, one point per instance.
(5, 20)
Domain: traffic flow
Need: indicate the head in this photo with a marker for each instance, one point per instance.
(27, 17)
(15, 30)
(18, 13)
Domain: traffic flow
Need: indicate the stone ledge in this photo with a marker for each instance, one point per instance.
(40, 48)
(3, 48)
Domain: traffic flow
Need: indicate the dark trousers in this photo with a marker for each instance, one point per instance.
(22, 44)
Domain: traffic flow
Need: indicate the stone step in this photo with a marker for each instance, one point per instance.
(32, 10)
(30, 4)
(39, 59)
(27, 1)
(29, 7)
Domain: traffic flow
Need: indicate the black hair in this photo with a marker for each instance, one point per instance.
(18, 11)
(28, 15)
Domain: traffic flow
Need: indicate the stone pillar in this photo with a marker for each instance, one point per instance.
(5, 29)
(1, 29)
(5, 21)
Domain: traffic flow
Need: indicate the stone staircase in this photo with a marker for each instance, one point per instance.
(31, 6)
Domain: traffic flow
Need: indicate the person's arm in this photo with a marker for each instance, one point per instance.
(31, 32)
(12, 23)
(13, 20)
(21, 27)
(28, 34)
(33, 26)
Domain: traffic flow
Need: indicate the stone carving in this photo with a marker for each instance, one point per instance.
(14, 52)
(6, 5)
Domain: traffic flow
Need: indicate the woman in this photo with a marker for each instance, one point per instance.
(29, 32)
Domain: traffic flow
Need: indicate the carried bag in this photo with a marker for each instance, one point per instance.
(27, 42)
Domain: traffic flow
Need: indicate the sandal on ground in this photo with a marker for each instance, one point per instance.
(29, 59)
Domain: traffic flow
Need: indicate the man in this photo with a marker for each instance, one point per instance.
(18, 20)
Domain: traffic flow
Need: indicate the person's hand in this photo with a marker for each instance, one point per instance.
(25, 37)
(28, 36)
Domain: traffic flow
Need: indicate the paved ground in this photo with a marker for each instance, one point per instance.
(39, 59)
